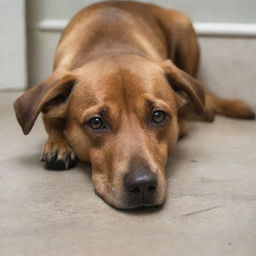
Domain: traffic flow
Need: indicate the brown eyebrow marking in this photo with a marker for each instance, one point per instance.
(95, 110)
(151, 105)
(104, 111)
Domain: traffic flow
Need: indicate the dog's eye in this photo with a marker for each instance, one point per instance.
(158, 116)
(96, 123)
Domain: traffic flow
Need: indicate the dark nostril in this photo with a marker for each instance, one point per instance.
(134, 190)
(151, 188)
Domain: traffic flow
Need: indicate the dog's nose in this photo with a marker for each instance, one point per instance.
(141, 183)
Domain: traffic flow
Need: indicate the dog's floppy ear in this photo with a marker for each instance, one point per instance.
(187, 88)
(50, 93)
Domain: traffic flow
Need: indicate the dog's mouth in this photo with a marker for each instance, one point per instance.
(123, 200)
(141, 200)
(128, 205)
(141, 206)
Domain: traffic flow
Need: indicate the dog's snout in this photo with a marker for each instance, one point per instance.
(141, 184)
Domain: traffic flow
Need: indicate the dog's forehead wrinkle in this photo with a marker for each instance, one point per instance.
(115, 79)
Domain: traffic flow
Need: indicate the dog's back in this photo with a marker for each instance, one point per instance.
(111, 28)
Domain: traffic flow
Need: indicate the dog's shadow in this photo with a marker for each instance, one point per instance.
(174, 161)
(31, 160)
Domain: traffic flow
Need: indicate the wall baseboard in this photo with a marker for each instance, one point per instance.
(202, 28)
(225, 29)
(52, 25)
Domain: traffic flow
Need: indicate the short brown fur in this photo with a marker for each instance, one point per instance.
(122, 62)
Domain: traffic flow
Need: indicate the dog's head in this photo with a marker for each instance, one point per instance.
(121, 114)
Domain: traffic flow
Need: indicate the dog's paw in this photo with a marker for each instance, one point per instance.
(58, 155)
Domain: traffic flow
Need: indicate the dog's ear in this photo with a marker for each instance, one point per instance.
(187, 89)
(51, 93)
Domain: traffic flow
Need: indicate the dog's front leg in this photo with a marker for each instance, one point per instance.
(57, 153)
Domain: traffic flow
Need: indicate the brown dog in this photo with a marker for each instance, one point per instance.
(122, 87)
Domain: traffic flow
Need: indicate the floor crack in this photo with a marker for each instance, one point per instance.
(200, 211)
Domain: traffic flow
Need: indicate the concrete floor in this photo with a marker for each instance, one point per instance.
(211, 206)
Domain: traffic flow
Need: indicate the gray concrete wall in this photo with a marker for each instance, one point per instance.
(13, 74)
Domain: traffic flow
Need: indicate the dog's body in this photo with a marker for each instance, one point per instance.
(123, 84)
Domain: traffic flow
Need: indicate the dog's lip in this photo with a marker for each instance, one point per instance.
(143, 205)
(130, 206)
